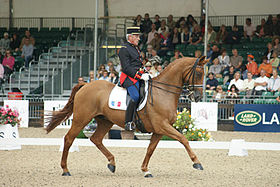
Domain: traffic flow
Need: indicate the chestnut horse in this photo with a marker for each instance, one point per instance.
(89, 101)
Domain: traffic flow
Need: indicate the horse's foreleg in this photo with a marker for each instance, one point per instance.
(173, 133)
(103, 126)
(152, 146)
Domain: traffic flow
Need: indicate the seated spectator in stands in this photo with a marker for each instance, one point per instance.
(158, 70)
(191, 23)
(171, 24)
(211, 37)
(235, 60)
(221, 35)
(27, 37)
(236, 81)
(229, 75)
(4, 43)
(113, 77)
(156, 41)
(251, 66)
(181, 27)
(101, 67)
(157, 22)
(155, 58)
(81, 80)
(249, 29)
(149, 51)
(174, 38)
(269, 51)
(138, 21)
(216, 68)
(148, 68)
(269, 20)
(15, 43)
(163, 26)
(224, 59)
(177, 55)
(233, 37)
(215, 52)
(165, 44)
(196, 36)
(111, 69)
(274, 82)
(209, 51)
(91, 77)
(276, 44)
(274, 28)
(211, 83)
(8, 63)
(274, 61)
(27, 52)
(109, 65)
(261, 83)
(265, 65)
(219, 94)
(151, 34)
(105, 76)
(146, 24)
(262, 29)
(184, 36)
(233, 92)
(249, 84)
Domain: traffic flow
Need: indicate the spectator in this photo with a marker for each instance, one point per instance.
(222, 35)
(177, 55)
(170, 23)
(109, 65)
(235, 60)
(216, 68)
(164, 44)
(105, 76)
(156, 41)
(249, 29)
(138, 21)
(27, 37)
(151, 34)
(274, 28)
(224, 59)
(15, 43)
(148, 67)
(182, 26)
(146, 24)
(91, 77)
(248, 84)
(211, 83)
(262, 29)
(209, 51)
(182, 21)
(215, 52)
(81, 80)
(276, 44)
(8, 63)
(27, 52)
(155, 58)
(101, 68)
(265, 65)
(233, 92)
(252, 66)
(219, 94)
(274, 82)
(163, 25)
(158, 70)
(229, 75)
(260, 83)
(191, 22)
(197, 54)
(211, 37)
(157, 21)
(149, 51)
(174, 38)
(269, 20)
(196, 36)
(236, 81)
(184, 37)
(233, 37)
(113, 77)
(274, 61)
(269, 51)
(4, 43)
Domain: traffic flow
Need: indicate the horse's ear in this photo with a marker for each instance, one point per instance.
(202, 61)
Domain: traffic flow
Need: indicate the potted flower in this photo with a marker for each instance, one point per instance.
(9, 121)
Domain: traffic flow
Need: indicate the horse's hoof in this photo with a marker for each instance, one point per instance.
(66, 174)
(112, 168)
(148, 176)
(197, 166)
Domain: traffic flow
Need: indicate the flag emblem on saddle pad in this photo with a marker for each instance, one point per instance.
(113, 103)
(119, 104)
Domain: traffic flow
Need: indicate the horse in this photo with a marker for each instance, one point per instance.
(90, 100)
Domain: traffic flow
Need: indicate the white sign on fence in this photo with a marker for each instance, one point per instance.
(205, 115)
(50, 106)
(22, 106)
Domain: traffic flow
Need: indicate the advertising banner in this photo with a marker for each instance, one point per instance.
(22, 106)
(205, 115)
(50, 106)
(257, 118)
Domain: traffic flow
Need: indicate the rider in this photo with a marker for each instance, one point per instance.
(132, 72)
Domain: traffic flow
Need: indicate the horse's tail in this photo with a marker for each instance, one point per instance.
(58, 117)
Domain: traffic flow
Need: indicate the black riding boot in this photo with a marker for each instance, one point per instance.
(129, 124)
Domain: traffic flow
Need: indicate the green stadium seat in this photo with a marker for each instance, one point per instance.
(33, 30)
(44, 29)
(271, 101)
(259, 101)
(276, 94)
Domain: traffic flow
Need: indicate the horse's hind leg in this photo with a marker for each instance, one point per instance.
(153, 144)
(103, 126)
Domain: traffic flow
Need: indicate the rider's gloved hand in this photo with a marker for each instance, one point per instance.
(145, 77)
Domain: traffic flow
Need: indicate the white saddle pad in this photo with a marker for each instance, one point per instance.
(117, 98)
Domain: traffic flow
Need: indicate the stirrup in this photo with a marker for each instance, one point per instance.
(129, 126)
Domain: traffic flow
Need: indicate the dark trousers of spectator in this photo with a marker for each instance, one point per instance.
(258, 92)
(27, 60)
(7, 70)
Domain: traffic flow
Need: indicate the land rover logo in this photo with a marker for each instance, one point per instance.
(248, 118)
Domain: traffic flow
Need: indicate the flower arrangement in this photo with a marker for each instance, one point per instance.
(9, 116)
(185, 125)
